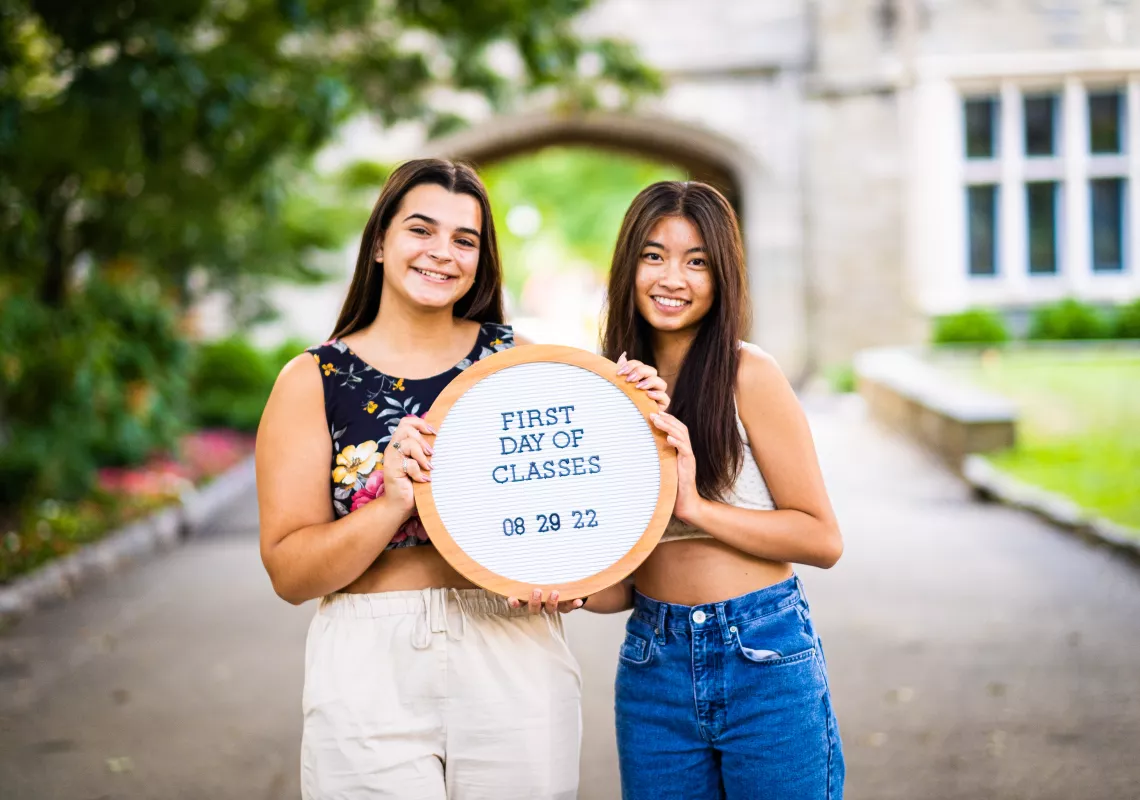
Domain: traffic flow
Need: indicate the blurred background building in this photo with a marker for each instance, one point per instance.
(891, 161)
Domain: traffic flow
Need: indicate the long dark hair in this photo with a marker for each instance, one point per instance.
(483, 301)
(704, 392)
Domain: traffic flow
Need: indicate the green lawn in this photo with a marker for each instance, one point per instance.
(1079, 427)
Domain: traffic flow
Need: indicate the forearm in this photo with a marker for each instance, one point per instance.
(319, 559)
(612, 599)
(778, 535)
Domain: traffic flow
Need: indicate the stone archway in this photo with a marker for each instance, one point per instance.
(706, 156)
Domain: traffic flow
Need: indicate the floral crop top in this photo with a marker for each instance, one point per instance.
(363, 406)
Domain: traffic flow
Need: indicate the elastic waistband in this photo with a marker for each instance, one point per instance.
(387, 604)
(735, 611)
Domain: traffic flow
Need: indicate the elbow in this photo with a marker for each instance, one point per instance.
(288, 595)
(287, 590)
(832, 549)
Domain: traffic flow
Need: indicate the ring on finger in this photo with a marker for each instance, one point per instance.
(396, 445)
(404, 465)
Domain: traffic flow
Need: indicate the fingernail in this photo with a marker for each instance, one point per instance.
(577, 604)
(643, 384)
(654, 417)
(623, 370)
(536, 594)
(513, 603)
(431, 429)
(429, 451)
(622, 356)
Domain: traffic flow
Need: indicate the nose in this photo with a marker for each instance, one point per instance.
(671, 277)
(438, 251)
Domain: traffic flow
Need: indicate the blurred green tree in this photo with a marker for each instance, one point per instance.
(168, 132)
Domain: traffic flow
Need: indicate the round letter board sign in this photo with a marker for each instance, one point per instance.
(546, 473)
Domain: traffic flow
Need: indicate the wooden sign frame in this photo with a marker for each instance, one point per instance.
(604, 368)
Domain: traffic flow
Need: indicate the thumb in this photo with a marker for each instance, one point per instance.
(621, 359)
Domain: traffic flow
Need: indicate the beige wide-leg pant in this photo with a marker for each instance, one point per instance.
(435, 694)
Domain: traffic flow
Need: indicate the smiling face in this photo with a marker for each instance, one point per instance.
(430, 251)
(674, 287)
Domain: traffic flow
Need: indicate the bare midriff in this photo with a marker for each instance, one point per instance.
(406, 569)
(691, 572)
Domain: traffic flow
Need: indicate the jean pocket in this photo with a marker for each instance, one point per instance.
(775, 640)
(635, 649)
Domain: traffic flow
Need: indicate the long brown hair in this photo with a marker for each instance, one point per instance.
(483, 301)
(704, 392)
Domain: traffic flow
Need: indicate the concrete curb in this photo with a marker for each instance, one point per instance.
(990, 482)
(131, 544)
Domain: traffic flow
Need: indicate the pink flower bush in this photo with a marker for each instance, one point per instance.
(204, 454)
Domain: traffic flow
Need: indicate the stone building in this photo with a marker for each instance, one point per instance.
(892, 160)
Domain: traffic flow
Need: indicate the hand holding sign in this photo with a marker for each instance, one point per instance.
(546, 473)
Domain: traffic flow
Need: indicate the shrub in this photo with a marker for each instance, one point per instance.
(1127, 324)
(229, 384)
(1068, 319)
(99, 381)
(974, 326)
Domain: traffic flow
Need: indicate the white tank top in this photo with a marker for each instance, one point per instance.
(749, 491)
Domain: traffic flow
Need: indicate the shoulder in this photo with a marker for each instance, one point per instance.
(764, 396)
(758, 370)
(301, 377)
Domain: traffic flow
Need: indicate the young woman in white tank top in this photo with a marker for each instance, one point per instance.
(722, 688)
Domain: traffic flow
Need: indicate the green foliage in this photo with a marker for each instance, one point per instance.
(841, 378)
(974, 326)
(580, 193)
(1068, 319)
(1127, 322)
(231, 380)
(174, 133)
(98, 382)
(230, 384)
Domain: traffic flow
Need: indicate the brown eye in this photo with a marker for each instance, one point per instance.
(651, 256)
(422, 231)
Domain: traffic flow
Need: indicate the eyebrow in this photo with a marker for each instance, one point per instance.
(652, 243)
(430, 221)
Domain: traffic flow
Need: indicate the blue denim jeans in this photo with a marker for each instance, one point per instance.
(726, 700)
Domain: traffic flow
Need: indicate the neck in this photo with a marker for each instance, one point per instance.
(669, 350)
(404, 327)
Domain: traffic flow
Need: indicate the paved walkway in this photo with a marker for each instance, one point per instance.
(975, 653)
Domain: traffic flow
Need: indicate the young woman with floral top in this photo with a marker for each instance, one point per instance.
(417, 683)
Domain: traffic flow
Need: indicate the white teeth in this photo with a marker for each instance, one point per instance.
(672, 302)
(435, 276)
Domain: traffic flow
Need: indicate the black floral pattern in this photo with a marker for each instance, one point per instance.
(363, 406)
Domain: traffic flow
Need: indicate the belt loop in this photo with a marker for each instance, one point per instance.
(422, 643)
(662, 615)
(722, 619)
(802, 593)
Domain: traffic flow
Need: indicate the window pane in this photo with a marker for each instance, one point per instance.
(1041, 205)
(1107, 200)
(981, 213)
(1040, 122)
(1105, 122)
(981, 127)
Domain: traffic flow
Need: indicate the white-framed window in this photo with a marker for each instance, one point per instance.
(1045, 182)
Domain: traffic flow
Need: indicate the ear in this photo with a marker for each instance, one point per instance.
(378, 254)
